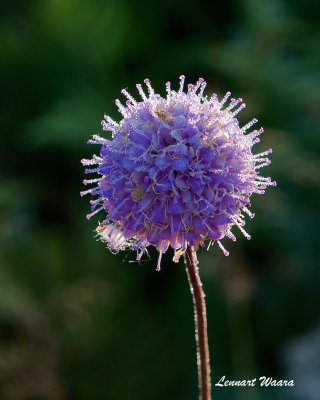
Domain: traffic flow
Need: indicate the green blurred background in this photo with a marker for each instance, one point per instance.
(77, 323)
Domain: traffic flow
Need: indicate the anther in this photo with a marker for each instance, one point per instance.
(225, 252)
(225, 98)
(182, 79)
(150, 89)
(128, 96)
(141, 92)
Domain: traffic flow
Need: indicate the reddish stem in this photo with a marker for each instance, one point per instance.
(200, 318)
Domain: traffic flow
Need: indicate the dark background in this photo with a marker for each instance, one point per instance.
(78, 323)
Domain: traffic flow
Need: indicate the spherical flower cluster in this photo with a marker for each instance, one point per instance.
(177, 171)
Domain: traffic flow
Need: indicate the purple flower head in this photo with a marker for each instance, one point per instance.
(177, 171)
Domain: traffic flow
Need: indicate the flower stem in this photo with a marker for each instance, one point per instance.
(200, 319)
